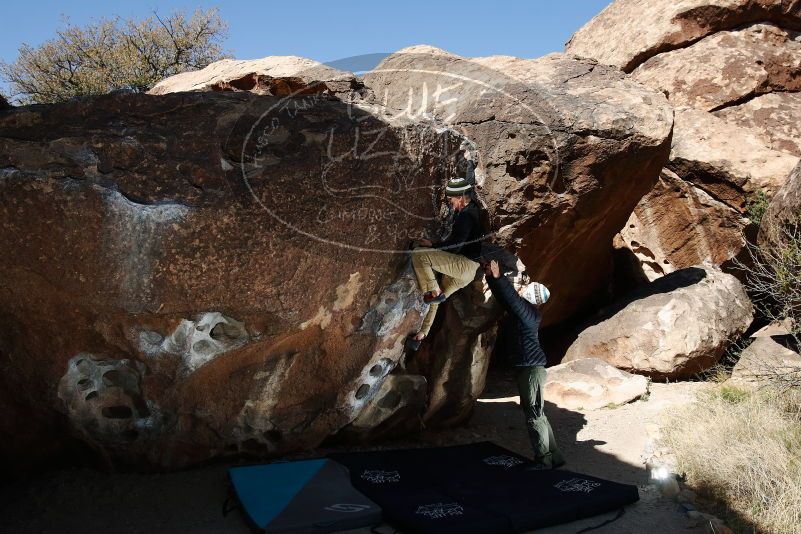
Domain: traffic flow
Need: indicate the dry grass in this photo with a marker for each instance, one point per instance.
(743, 448)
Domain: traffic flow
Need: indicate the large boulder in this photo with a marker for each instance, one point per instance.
(774, 117)
(651, 28)
(590, 384)
(564, 150)
(191, 275)
(215, 272)
(271, 75)
(676, 327)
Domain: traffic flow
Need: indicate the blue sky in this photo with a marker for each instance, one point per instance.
(327, 31)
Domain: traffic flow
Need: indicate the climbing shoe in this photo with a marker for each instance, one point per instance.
(413, 344)
(429, 299)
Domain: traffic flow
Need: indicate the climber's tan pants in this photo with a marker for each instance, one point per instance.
(457, 271)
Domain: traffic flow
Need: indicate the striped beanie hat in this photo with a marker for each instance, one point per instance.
(536, 293)
(458, 187)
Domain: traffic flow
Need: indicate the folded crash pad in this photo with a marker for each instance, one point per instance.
(309, 496)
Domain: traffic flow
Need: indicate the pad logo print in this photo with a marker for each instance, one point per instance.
(440, 510)
(503, 460)
(344, 507)
(576, 484)
(378, 476)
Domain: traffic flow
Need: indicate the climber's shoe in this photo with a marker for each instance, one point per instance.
(428, 298)
(413, 344)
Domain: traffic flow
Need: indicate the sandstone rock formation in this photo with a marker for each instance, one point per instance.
(181, 287)
(727, 68)
(741, 60)
(652, 28)
(675, 327)
(590, 384)
(764, 359)
(271, 75)
(774, 117)
(223, 272)
(554, 141)
(695, 213)
(784, 212)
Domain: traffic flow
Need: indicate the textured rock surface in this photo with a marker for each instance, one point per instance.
(222, 272)
(565, 149)
(396, 409)
(655, 27)
(272, 75)
(696, 211)
(728, 162)
(727, 67)
(763, 358)
(174, 311)
(784, 211)
(458, 357)
(590, 383)
(775, 118)
(675, 327)
(740, 59)
(678, 225)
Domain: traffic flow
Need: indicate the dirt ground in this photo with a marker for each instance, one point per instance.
(607, 443)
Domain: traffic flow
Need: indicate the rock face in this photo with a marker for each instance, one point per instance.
(741, 60)
(677, 225)
(223, 271)
(765, 358)
(590, 384)
(180, 290)
(695, 213)
(727, 67)
(664, 26)
(564, 149)
(272, 75)
(675, 327)
(784, 211)
(774, 117)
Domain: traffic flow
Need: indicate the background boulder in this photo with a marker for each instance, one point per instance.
(739, 60)
(675, 327)
(590, 384)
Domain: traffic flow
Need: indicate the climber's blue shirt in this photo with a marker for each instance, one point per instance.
(522, 346)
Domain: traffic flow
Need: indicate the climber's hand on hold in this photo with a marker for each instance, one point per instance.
(419, 336)
(493, 269)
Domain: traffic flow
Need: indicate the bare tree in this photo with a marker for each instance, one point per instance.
(773, 280)
(115, 54)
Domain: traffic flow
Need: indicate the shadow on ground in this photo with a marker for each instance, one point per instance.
(85, 500)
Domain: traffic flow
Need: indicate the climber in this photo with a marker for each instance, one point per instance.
(455, 257)
(522, 301)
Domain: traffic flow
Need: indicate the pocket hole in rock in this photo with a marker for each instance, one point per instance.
(376, 370)
(111, 378)
(91, 395)
(362, 392)
(84, 384)
(117, 412)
